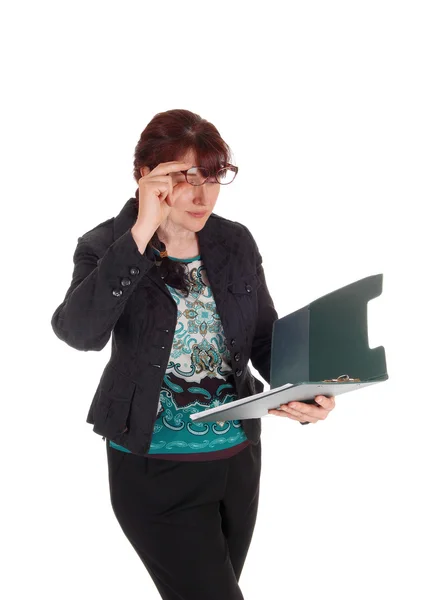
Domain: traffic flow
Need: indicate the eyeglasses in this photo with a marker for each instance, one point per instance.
(199, 175)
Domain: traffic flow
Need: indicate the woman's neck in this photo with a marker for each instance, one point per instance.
(181, 241)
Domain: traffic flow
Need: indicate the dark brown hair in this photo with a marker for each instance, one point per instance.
(169, 136)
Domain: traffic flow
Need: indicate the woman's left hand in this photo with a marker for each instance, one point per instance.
(300, 411)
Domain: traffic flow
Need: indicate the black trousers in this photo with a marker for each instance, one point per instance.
(191, 523)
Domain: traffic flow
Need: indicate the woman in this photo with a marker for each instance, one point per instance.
(183, 293)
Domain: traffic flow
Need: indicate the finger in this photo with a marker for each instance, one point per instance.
(162, 185)
(286, 413)
(170, 167)
(175, 190)
(169, 195)
(297, 416)
(327, 402)
(178, 186)
(282, 413)
(306, 412)
(278, 413)
(303, 418)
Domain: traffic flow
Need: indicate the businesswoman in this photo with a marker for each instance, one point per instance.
(183, 293)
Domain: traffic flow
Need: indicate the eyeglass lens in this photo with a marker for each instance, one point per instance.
(198, 175)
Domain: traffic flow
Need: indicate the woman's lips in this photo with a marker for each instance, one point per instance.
(197, 215)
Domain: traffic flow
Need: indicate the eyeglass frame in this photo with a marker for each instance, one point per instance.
(232, 167)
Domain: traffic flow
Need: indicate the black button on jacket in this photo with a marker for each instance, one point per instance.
(117, 290)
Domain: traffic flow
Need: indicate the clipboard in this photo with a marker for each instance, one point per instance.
(320, 349)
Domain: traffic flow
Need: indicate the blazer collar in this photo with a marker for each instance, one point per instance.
(215, 247)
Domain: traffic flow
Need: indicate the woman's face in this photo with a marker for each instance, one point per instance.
(192, 199)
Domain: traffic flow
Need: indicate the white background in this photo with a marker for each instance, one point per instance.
(325, 106)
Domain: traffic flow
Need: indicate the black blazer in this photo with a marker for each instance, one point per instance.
(116, 289)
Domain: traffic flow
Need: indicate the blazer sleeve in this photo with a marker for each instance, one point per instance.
(86, 317)
(261, 348)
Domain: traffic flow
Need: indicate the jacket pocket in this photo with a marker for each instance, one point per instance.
(246, 285)
(114, 404)
(255, 386)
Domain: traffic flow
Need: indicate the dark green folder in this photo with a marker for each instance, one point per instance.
(329, 338)
(325, 340)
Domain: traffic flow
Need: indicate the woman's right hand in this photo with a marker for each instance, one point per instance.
(157, 194)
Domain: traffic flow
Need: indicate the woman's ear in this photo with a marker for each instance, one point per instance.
(144, 171)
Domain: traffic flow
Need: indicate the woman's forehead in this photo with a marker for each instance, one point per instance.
(191, 156)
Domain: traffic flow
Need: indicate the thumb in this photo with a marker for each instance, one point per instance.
(177, 189)
(320, 399)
